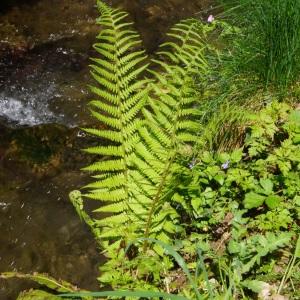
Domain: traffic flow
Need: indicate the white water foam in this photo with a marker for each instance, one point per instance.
(28, 107)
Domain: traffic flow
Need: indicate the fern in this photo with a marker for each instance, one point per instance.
(169, 121)
(147, 121)
(120, 95)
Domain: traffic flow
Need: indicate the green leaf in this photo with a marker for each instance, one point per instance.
(297, 200)
(267, 185)
(223, 157)
(297, 250)
(135, 294)
(236, 156)
(180, 261)
(255, 286)
(220, 178)
(273, 201)
(234, 247)
(253, 200)
(295, 117)
(296, 139)
(42, 279)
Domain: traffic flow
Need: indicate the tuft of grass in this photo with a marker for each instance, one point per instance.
(270, 41)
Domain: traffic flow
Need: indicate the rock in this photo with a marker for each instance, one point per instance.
(50, 20)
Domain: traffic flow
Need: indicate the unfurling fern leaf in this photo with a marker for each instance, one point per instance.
(147, 122)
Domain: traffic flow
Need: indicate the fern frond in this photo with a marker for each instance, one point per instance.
(112, 110)
(146, 121)
(115, 208)
(112, 181)
(121, 94)
(111, 196)
(106, 150)
(109, 121)
(170, 120)
(106, 165)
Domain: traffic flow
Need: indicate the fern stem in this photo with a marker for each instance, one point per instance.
(156, 199)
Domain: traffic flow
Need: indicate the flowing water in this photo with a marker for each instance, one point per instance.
(44, 51)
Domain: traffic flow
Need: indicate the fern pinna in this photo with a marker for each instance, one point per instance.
(147, 120)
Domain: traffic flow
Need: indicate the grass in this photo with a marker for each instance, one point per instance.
(254, 61)
(270, 41)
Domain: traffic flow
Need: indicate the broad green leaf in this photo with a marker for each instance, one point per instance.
(253, 200)
(267, 185)
(273, 201)
(295, 117)
(236, 156)
(255, 286)
(296, 139)
(223, 157)
(297, 200)
(43, 279)
(37, 295)
(234, 247)
(220, 179)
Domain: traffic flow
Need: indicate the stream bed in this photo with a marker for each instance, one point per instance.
(45, 47)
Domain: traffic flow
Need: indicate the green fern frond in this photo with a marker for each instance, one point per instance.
(106, 150)
(112, 181)
(170, 119)
(121, 93)
(106, 165)
(146, 122)
(108, 195)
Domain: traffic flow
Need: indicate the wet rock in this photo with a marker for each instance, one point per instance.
(46, 81)
(50, 20)
(48, 85)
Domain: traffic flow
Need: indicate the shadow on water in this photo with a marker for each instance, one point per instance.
(44, 51)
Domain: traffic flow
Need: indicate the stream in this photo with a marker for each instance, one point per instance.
(45, 47)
